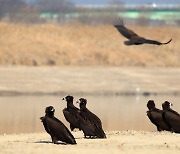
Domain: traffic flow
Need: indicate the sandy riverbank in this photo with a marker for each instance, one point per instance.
(136, 142)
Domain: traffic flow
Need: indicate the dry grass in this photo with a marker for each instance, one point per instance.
(52, 44)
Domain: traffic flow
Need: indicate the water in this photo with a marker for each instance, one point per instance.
(20, 114)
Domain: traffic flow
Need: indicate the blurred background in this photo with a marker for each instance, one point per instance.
(51, 48)
(65, 32)
(141, 12)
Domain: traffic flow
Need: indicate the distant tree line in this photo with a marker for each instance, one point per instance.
(19, 10)
(54, 10)
(9, 7)
(38, 11)
(54, 6)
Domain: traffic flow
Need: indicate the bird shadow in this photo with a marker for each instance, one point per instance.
(91, 138)
(45, 142)
(79, 137)
(49, 142)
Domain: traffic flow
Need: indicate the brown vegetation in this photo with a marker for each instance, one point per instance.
(53, 44)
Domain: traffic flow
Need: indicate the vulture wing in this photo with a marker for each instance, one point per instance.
(173, 120)
(71, 115)
(87, 127)
(95, 122)
(134, 39)
(127, 33)
(59, 131)
(147, 41)
(155, 117)
(43, 120)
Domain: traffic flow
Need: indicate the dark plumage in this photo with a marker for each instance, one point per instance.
(55, 128)
(133, 38)
(155, 116)
(91, 126)
(71, 113)
(171, 117)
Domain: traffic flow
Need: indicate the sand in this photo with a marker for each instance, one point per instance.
(136, 142)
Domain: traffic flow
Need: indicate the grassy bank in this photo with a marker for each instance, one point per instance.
(52, 44)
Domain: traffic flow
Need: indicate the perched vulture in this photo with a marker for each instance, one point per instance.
(71, 113)
(91, 126)
(171, 117)
(133, 38)
(155, 116)
(55, 128)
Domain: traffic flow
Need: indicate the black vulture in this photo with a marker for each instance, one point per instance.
(55, 128)
(133, 38)
(171, 117)
(71, 113)
(155, 116)
(92, 127)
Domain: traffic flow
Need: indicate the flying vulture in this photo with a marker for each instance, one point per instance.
(91, 126)
(55, 128)
(155, 116)
(171, 117)
(133, 38)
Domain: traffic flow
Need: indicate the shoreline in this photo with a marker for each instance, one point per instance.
(63, 93)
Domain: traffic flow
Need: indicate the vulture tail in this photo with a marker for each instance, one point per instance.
(100, 133)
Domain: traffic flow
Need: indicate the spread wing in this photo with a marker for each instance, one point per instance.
(127, 33)
(134, 39)
(147, 41)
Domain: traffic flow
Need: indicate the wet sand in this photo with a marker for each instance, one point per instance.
(117, 142)
(89, 80)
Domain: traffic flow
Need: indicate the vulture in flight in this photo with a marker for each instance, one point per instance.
(55, 128)
(171, 117)
(71, 113)
(155, 116)
(91, 125)
(133, 38)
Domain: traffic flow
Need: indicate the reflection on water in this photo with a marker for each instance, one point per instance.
(21, 114)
